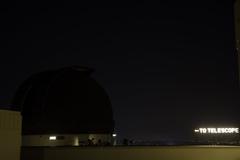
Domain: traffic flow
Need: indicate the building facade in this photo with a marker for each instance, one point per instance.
(68, 140)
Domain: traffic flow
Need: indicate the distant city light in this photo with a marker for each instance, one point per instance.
(114, 135)
(52, 138)
(217, 130)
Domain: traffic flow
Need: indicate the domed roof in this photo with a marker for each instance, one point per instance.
(64, 101)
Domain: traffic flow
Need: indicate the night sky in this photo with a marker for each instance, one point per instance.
(168, 66)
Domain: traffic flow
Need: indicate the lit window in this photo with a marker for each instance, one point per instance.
(52, 138)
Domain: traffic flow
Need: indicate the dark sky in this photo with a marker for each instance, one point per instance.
(167, 66)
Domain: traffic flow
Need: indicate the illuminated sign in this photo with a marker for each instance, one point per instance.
(217, 130)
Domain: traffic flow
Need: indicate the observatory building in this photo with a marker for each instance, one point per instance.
(64, 107)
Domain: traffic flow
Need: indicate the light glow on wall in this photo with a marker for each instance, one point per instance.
(217, 130)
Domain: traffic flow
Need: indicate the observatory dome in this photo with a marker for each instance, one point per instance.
(64, 101)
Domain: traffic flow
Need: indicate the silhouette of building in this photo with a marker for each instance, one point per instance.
(64, 107)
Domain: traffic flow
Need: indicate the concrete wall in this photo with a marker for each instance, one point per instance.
(10, 135)
(132, 153)
(66, 140)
